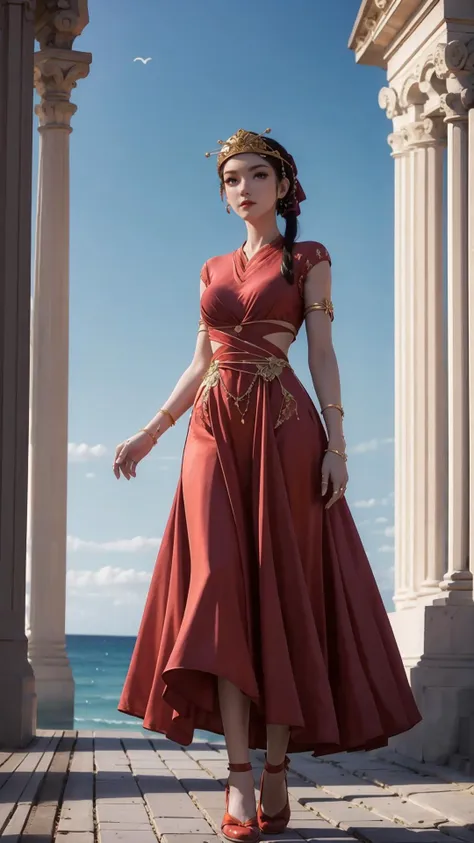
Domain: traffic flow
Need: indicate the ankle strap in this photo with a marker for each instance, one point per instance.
(277, 768)
(239, 768)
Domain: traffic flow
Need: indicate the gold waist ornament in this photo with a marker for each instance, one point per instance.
(267, 368)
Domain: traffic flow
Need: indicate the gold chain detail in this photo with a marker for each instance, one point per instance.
(267, 369)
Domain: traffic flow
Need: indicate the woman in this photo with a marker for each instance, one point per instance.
(263, 621)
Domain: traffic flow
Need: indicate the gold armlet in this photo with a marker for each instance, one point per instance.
(163, 410)
(326, 305)
(335, 407)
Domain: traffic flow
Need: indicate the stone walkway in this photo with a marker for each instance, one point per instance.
(111, 787)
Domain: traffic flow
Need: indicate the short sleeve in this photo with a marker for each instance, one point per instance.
(308, 255)
(205, 275)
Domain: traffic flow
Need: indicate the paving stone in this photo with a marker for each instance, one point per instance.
(159, 784)
(445, 773)
(126, 816)
(457, 807)
(124, 790)
(337, 811)
(406, 783)
(319, 830)
(396, 809)
(115, 836)
(204, 755)
(304, 791)
(171, 805)
(457, 832)
(363, 761)
(189, 838)
(384, 831)
(181, 825)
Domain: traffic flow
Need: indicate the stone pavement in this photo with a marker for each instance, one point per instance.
(111, 787)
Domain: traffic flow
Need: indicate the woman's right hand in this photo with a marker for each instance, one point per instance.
(129, 453)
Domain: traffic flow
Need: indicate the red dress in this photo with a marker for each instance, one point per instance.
(255, 580)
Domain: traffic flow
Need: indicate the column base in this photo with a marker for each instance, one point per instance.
(18, 706)
(437, 646)
(456, 589)
(54, 686)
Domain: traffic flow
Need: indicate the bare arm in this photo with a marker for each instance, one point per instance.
(321, 355)
(184, 393)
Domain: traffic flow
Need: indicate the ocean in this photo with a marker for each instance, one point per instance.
(99, 665)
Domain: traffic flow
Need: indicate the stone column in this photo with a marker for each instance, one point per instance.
(457, 582)
(420, 393)
(56, 72)
(426, 138)
(404, 593)
(17, 691)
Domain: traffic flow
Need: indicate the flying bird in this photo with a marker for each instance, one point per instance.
(145, 61)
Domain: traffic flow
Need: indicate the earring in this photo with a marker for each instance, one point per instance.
(227, 207)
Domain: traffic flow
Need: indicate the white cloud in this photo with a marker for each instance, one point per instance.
(370, 445)
(365, 504)
(90, 475)
(386, 548)
(106, 577)
(134, 545)
(84, 453)
(381, 520)
(388, 532)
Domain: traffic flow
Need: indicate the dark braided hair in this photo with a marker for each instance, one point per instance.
(291, 228)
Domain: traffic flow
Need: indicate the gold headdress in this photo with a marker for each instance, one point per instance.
(244, 141)
(241, 142)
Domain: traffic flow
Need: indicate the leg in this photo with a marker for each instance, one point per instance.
(275, 795)
(235, 711)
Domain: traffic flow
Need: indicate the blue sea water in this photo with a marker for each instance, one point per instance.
(99, 665)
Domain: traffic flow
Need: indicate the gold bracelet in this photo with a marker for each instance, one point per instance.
(152, 436)
(163, 410)
(339, 453)
(336, 407)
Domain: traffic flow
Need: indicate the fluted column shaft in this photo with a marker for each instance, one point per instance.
(420, 388)
(56, 72)
(430, 454)
(457, 582)
(403, 308)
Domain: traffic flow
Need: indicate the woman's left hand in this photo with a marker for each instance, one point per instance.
(334, 469)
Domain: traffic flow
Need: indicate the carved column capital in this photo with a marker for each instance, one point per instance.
(422, 133)
(56, 74)
(396, 141)
(454, 62)
(59, 22)
(427, 132)
(388, 100)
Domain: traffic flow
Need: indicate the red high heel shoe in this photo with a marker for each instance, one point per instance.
(231, 827)
(277, 823)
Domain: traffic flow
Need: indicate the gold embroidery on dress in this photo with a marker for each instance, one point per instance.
(268, 369)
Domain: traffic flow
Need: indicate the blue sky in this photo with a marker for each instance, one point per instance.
(146, 214)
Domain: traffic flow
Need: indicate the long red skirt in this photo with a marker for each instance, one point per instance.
(257, 582)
